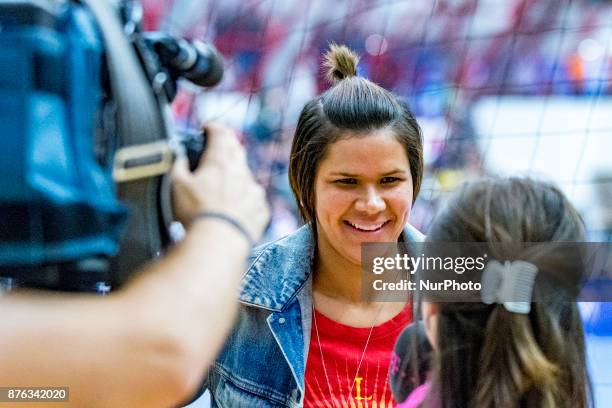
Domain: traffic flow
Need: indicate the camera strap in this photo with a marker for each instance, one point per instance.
(143, 153)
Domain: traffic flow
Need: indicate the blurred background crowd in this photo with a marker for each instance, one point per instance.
(500, 87)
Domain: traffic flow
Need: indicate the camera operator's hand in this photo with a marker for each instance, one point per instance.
(222, 184)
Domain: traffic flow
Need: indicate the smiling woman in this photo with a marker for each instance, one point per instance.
(305, 337)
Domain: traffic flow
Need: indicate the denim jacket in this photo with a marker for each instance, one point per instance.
(263, 362)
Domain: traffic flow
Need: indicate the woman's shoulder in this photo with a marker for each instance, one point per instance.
(411, 234)
(299, 240)
(277, 270)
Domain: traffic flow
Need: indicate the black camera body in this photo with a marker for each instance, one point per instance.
(89, 139)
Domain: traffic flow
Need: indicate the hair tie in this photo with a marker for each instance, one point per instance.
(230, 220)
(510, 284)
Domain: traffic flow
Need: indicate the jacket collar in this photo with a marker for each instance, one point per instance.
(279, 269)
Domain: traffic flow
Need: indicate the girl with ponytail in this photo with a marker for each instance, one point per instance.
(493, 355)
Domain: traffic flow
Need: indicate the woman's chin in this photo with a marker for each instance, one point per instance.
(353, 257)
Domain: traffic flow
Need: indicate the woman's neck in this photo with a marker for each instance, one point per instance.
(337, 294)
(336, 277)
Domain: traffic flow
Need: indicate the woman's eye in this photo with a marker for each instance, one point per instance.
(346, 181)
(389, 180)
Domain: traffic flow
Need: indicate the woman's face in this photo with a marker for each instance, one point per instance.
(363, 193)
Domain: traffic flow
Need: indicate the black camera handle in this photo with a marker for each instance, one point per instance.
(141, 123)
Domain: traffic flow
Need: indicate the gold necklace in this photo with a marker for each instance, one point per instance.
(365, 347)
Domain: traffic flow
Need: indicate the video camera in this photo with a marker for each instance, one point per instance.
(88, 139)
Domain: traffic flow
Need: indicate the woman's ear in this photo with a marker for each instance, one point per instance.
(430, 320)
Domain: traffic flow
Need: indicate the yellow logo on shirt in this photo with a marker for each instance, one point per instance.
(359, 397)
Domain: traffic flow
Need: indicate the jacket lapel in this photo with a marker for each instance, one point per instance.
(284, 325)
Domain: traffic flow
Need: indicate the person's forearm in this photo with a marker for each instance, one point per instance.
(192, 293)
(146, 345)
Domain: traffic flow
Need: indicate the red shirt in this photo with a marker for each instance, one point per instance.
(332, 379)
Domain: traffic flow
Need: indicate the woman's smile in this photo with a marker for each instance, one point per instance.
(367, 228)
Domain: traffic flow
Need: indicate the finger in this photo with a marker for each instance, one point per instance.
(220, 143)
(219, 135)
(238, 156)
(180, 169)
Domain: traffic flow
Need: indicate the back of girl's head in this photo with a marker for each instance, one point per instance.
(353, 106)
(508, 210)
(486, 355)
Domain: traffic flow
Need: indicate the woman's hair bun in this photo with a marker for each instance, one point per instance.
(340, 62)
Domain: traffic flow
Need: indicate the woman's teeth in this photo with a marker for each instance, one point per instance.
(368, 228)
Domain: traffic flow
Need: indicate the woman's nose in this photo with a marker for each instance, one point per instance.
(371, 203)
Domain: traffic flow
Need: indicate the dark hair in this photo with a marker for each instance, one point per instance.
(353, 104)
(487, 356)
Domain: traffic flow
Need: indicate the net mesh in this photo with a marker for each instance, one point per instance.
(499, 87)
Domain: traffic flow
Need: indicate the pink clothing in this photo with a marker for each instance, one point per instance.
(416, 397)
